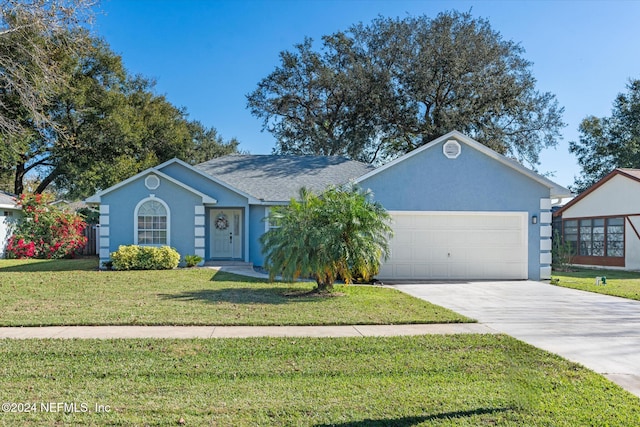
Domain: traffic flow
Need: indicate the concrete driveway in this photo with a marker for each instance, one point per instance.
(597, 331)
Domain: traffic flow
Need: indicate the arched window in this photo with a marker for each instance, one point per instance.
(152, 223)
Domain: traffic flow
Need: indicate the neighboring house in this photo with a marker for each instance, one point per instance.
(460, 210)
(603, 223)
(9, 212)
(68, 206)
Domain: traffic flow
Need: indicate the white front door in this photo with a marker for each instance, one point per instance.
(226, 233)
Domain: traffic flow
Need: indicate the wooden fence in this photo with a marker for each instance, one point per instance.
(91, 233)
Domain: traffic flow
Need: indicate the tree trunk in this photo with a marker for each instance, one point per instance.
(48, 180)
(323, 286)
(18, 180)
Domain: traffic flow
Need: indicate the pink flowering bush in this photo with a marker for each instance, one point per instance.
(45, 231)
(18, 248)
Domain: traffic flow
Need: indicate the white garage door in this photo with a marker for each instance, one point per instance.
(457, 245)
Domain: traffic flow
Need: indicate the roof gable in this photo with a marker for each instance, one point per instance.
(632, 174)
(97, 197)
(556, 190)
(196, 170)
(8, 201)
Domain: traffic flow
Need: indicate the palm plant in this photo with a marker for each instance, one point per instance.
(341, 233)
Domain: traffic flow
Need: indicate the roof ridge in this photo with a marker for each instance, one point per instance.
(284, 156)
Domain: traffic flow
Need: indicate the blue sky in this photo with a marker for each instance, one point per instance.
(207, 55)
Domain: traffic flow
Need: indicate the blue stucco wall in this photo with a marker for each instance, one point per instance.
(224, 196)
(256, 229)
(473, 181)
(122, 203)
(427, 181)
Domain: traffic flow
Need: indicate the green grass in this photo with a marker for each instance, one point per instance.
(73, 292)
(465, 380)
(462, 380)
(625, 284)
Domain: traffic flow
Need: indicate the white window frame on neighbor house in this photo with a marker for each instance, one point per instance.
(167, 228)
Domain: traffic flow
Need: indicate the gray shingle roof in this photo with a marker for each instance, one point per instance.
(279, 178)
(7, 199)
(633, 172)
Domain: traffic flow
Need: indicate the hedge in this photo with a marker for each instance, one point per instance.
(136, 257)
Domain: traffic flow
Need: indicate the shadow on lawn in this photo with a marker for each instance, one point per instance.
(411, 421)
(273, 295)
(224, 276)
(33, 266)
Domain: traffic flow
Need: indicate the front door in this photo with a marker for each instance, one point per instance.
(226, 233)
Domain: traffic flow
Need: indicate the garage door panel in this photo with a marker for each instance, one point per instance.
(454, 245)
(404, 270)
(439, 256)
(510, 222)
(421, 270)
(438, 237)
(476, 238)
(400, 222)
(419, 236)
(457, 222)
(439, 270)
(508, 238)
(403, 253)
(503, 255)
(422, 222)
(401, 238)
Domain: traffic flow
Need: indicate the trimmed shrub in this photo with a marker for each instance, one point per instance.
(192, 260)
(136, 257)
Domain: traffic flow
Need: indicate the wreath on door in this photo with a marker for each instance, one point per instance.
(221, 222)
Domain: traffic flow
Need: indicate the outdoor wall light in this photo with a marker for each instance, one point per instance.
(534, 219)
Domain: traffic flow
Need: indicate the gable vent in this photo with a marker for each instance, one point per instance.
(451, 149)
(152, 182)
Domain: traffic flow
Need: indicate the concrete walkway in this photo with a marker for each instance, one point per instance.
(242, 269)
(598, 331)
(107, 332)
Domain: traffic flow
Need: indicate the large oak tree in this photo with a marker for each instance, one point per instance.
(104, 126)
(380, 90)
(70, 114)
(606, 143)
(32, 34)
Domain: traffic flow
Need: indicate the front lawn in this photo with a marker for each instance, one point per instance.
(625, 284)
(72, 292)
(462, 380)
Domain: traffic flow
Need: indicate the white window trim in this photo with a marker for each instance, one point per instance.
(135, 220)
(267, 225)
